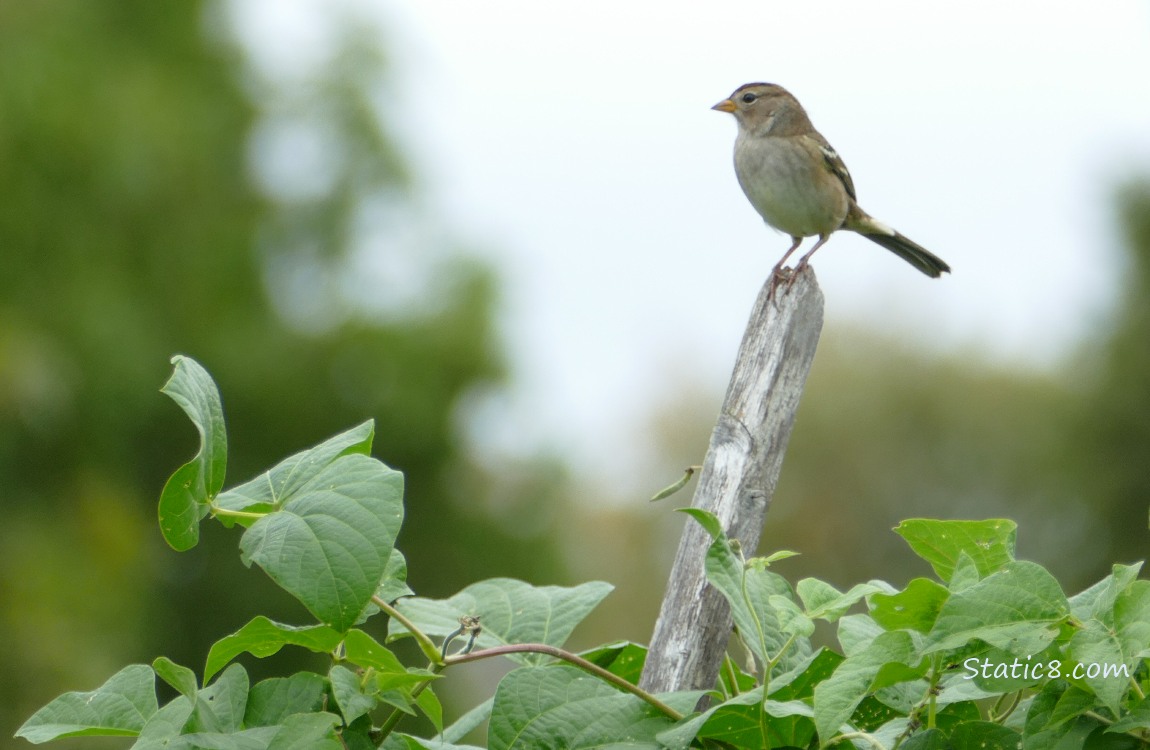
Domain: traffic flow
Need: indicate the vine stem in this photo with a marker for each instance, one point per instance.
(426, 645)
(219, 512)
(570, 658)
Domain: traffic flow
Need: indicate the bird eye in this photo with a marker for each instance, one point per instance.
(748, 98)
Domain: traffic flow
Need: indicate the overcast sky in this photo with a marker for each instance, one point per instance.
(574, 145)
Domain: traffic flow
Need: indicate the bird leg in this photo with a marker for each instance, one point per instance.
(777, 271)
(803, 260)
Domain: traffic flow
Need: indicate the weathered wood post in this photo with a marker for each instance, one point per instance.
(738, 479)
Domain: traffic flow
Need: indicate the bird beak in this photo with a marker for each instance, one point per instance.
(725, 106)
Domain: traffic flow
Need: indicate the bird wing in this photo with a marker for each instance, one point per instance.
(836, 165)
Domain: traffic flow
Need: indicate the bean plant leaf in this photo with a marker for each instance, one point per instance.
(268, 491)
(186, 495)
(119, 707)
(560, 706)
(263, 637)
(1017, 609)
(989, 543)
(510, 611)
(329, 542)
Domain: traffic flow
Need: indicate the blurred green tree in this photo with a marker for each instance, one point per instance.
(1112, 435)
(162, 193)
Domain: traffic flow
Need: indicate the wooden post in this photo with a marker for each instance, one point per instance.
(738, 479)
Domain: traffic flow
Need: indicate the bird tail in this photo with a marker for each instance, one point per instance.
(904, 247)
(912, 252)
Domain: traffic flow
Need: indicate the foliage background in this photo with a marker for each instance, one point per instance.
(154, 202)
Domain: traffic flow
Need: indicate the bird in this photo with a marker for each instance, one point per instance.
(797, 181)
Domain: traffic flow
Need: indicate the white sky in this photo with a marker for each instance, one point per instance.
(573, 144)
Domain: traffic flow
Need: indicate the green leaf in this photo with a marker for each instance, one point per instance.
(837, 697)
(856, 632)
(307, 732)
(623, 659)
(1017, 609)
(823, 601)
(1097, 602)
(1041, 732)
(262, 637)
(1095, 644)
(392, 587)
(927, 739)
(1138, 718)
(220, 707)
(916, 607)
(165, 724)
(764, 623)
(350, 696)
(330, 541)
(709, 521)
(510, 611)
(273, 700)
(429, 704)
(364, 651)
(989, 543)
(746, 721)
(269, 490)
(559, 706)
(119, 707)
(185, 497)
(180, 678)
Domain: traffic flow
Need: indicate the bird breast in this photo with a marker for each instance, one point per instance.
(791, 191)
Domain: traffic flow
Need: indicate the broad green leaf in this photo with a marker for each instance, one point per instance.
(1017, 609)
(330, 541)
(823, 601)
(760, 623)
(185, 497)
(746, 721)
(314, 731)
(351, 697)
(364, 651)
(916, 607)
(273, 700)
(121, 706)
(837, 697)
(559, 706)
(394, 583)
(179, 677)
(267, 491)
(220, 707)
(624, 659)
(392, 587)
(388, 671)
(262, 637)
(989, 543)
(1095, 644)
(248, 739)
(510, 611)
(1043, 732)
(1138, 718)
(927, 739)
(1097, 602)
(1132, 619)
(856, 632)
(166, 723)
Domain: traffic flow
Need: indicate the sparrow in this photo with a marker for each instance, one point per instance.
(798, 183)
